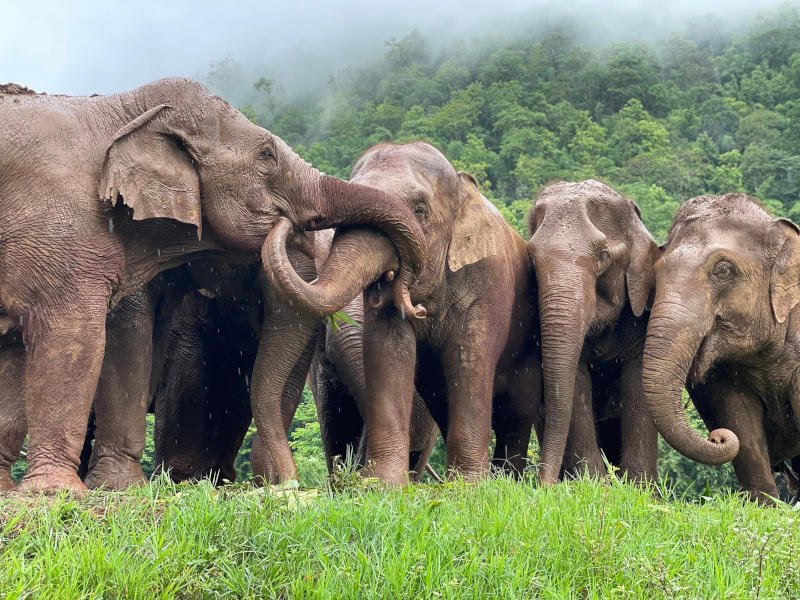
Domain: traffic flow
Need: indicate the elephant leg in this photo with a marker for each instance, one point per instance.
(227, 404)
(278, 375)
(229, 417)
(64, 357)
(422, 437)
(122, 399)
(182, 388)
(340, 420)
(792, 473)
(263, 464)
(513, 417)
(431, 386)
(583, 451)
(390, 355)
(639, 433)
(286, 348)
(469, 367)
(12, 409)
(341, 389)
(724, 404)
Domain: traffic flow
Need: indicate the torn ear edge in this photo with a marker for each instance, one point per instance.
(153, 172)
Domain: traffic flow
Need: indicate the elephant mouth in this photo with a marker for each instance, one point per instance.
(704, 360)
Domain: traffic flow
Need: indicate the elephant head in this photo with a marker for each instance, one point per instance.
(456, 220)
(725, 286)
(193, 158)
(593, 258)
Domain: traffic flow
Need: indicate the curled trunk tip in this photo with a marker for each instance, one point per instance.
(666, 365)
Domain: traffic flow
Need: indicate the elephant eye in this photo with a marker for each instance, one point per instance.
(266, 154)
(602, 259)
(420, 211)
(724, 270)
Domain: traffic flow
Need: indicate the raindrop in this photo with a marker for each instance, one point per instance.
(247, 381)
(111, 225)
(158, 250)
(239, 371)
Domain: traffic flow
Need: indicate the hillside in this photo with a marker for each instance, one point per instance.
(711, 109)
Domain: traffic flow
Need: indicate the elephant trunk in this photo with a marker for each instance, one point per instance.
(347, 203)
(673, 339)
(358, 256)
(564, 307)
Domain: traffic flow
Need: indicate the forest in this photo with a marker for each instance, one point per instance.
(709, 110)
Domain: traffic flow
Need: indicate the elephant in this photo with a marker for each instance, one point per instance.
(206, 341)
(207, 335)
(126, 186)
(338, 382)
(472, 357)
(203, 340)
(593, 258)
(725, 324)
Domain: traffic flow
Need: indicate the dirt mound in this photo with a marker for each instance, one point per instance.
(15, 88)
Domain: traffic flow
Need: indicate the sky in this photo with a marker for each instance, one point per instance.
(107, 46)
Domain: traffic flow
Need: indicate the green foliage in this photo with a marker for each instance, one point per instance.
(148, 456)
(306, 443)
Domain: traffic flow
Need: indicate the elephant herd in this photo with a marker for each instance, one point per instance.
(160, 252)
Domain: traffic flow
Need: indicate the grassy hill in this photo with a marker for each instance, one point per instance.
(495, 539)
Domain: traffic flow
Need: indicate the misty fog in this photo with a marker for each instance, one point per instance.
(104, 47)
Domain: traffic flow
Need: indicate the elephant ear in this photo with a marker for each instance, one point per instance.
(784, 282)
(153, 173)
(640, 277)
(475, 231)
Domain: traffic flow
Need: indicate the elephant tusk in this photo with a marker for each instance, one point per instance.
(402, 300)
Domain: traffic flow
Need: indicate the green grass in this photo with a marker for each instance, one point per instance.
(495, 539)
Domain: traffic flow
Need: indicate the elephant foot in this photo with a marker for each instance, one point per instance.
(388, 477)
(43, 481)
(271, 469)
(115, 473)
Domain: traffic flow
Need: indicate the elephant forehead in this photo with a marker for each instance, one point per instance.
(696, 250)
(400, 180)
(735, 232)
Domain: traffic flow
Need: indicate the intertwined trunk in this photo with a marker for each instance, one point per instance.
(346, 203)
(358, 257)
